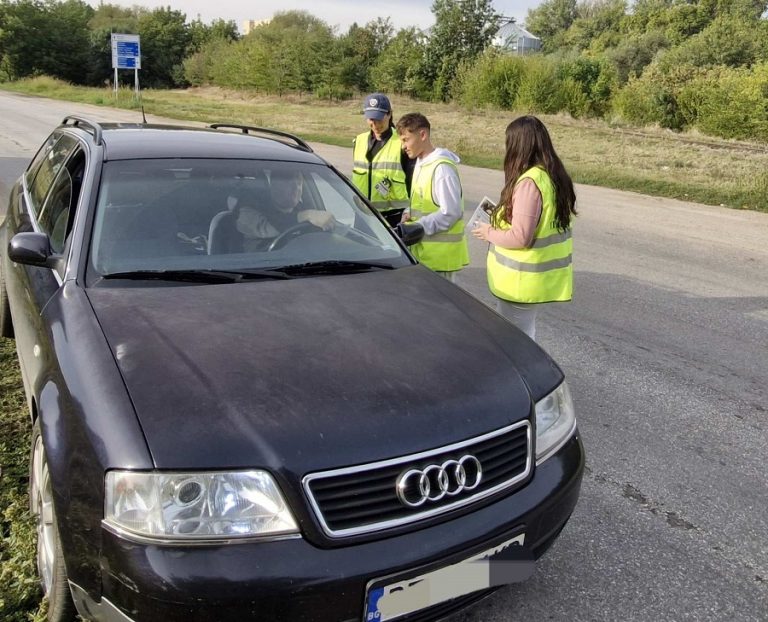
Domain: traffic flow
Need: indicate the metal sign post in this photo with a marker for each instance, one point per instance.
(126, 54)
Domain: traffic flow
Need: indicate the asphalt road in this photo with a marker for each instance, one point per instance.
(666, 350)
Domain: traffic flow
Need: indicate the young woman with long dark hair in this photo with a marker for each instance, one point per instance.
(529, 262)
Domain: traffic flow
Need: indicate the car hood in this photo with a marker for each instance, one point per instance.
(316, 372)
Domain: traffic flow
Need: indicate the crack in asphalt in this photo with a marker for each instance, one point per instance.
(673, 519)
(628, 491)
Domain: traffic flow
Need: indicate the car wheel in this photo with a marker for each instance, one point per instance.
(6, 324)
(50, 559)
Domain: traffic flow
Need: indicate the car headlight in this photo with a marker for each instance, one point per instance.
(555, 422)
(196, 506)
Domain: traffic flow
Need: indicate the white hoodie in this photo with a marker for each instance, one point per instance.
(446, 192)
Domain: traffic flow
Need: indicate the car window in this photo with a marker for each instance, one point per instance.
(53, 220)
(46, 172)
(335, 199)
(40, 156)
(56, 215)
(229, 215)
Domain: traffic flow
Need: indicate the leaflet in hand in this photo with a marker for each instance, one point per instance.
(482, 213)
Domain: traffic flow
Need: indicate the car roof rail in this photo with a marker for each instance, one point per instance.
(246, 129)
(86, 123)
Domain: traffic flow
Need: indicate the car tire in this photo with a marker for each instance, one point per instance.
(6, 323)
(50, 558)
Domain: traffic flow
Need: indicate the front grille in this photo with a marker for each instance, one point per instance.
(355, 500)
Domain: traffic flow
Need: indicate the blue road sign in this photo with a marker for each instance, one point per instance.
(126, 51)
(128, 48)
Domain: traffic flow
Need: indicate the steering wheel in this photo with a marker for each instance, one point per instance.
(292, 232)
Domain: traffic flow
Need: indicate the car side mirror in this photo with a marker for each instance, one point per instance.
(409, 232)
(32, 249)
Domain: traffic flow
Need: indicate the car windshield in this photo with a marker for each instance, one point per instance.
(193, 215)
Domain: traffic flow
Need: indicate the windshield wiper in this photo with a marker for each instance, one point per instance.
(198, 276)
(335, 266)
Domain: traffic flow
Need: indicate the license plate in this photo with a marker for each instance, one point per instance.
(389, 601)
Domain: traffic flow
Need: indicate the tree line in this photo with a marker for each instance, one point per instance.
(678, 64)
(72, 41)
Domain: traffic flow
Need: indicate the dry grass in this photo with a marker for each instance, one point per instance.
(649, 160)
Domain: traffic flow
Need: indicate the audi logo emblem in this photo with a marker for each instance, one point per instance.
(417, 486)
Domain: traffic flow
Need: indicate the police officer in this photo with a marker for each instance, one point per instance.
(381, 171)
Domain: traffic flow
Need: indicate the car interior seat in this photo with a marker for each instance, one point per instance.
(223, 235)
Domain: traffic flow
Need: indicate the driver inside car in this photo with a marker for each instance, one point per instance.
(284, 209)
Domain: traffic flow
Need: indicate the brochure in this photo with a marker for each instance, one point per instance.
(482, 213)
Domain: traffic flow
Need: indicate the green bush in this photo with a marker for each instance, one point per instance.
(195, 69)
(684, 20)
(693, 96)
(200, 67)
(573, 98)
(726, 41)
(719, 101)
(540, 88)
(242, 65)
(333, 92)
(493, 80)
(636, 103)
(735, 105)
(670, 115)
(635, 53)
(574, 83)
(588, 84)
(661, 96)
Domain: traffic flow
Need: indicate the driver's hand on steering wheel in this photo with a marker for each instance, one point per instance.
(320, 218)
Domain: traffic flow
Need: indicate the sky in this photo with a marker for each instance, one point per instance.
(341, 13)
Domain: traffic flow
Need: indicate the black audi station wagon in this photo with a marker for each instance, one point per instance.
(243, 416)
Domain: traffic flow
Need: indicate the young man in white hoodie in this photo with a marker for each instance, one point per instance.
(436, 199)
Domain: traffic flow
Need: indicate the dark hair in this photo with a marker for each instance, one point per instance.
(529, 145)
(413, 122)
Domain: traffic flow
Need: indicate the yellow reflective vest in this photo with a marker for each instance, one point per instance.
(445, 251)
(382, 180)
(543, 272)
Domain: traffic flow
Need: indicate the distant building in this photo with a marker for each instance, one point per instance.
(250, 24)
(515, 39)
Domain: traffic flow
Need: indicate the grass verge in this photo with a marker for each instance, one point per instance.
(651, 161)
(19, 588)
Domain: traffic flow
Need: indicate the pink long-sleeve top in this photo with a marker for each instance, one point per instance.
(526, 211)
